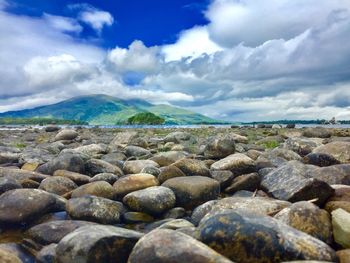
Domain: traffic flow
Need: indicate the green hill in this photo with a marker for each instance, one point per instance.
(107, 110)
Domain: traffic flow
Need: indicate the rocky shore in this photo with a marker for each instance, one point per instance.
(76, 195)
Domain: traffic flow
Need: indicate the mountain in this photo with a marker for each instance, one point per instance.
(107, 110)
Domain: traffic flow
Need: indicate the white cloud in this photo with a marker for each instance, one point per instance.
(64, 24)
(254, 22)
(92, 16)
(191, 43)
(136, 58)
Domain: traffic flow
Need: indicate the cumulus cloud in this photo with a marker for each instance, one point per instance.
(295, 67)
(65, 24)
(92, 16)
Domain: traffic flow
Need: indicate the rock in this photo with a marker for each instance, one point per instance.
(237, 163)
(169, 172)
(276, 126)
(114, 158)
(90, 244)
(96, 166)
(47, 254)
(152, 200)
(57, 185)
(192, 167)
(66, 134)
(279, 156)
(334, 205)
(200, 211)
(136, 151)
(134, 182)
(30, 166)
(179, 137)
(53, 231)
(18, 251)
(24, 205)
(7, 184)
(224, 177)
(95, 209)
(137, 217)
(182, 248)
(151, 170)
(290, 126)
(191, 191)
(52, 128)
(77, 178)
(320, 159)
(135, 167)
(8, 257)
(256, 205)
(309, 219)
(302, 146)
(92, 150)
(343, 255)
(8, 157)
(317, 132)
(20, 175)
(175, 213)
(248, 182)
(100, 188)
(247, 237)
(219, 147)
(335, 174)
(168, 158)
(339, 150)
(122, 139)
(107, 177)
(290, 182)
(68, 161)
(341, 227)
(175, 224)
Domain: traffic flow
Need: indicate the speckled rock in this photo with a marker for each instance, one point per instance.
(302, 146)
(20, 175)
(95, 209)
(77, 178)
(219, 147)
(248, 182)
(290, 182)
(317, 132)
(66, 134)
(309, 219)
(152, 200)
(335, 174)
(67, 161)
(169, 172)
(191, 191)
(96, 166)
(136, 166)
(47, 254)
(100, 188)
(167, 158)
(24, 205)
(237, 163)
(339, 150)
(90, 243)
(132, 150)
(134, 182)
(7, 183)
(181, 248)
(320, 159)
(247, 237)
(192, 167)
(57, 185)
(107, 177)
(341, 227)
(53, 231)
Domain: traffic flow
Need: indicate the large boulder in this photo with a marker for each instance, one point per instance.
(219, 147)
(192, 167)
(291, 182)
(237, 163)
(67, 161)
(57, 185)
(98, 244)
(24, 205)
(134, 182)
(180, 248)
(247, 237)
(96, 209)
(100, 188)
(191, 191)
(152, 200)
(339, 150)
(66, 134)
(309, 219)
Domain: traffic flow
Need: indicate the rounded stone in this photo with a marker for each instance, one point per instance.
(7, 184)
(107, 177)
(66, 134)
(191, 191)
(57, 185)
(152, 200)
(219, 147)
(100, 188)
(192, 167)
(77, 178)
(168, 172)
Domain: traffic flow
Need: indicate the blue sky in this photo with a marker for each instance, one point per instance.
(229, 59)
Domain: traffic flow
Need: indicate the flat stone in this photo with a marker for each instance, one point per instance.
(135, 167)
(237, 163)
(100, 188)
(77, 178)
(249, 182)
(134, 182)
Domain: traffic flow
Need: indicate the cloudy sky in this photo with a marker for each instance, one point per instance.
(239, 60)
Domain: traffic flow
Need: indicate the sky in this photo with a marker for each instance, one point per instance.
(237, 60)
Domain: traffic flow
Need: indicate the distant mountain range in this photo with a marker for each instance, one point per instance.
(108, 110)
